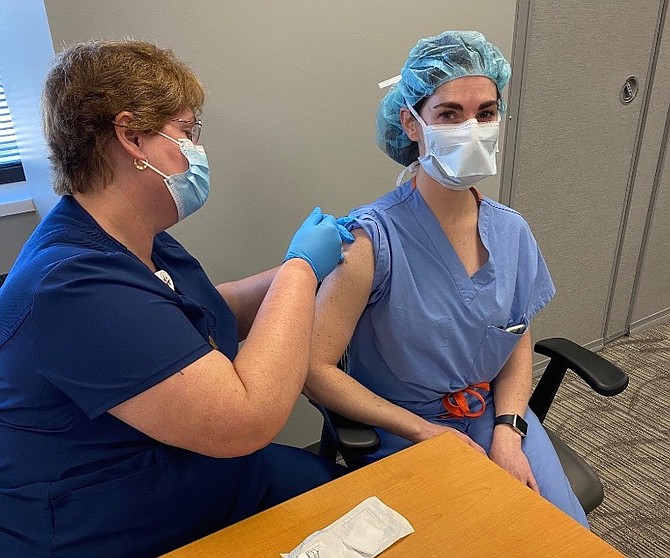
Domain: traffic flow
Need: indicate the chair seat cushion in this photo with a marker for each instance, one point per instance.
(583, 479)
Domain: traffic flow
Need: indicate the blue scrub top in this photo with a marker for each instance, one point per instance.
(429, 328)
(85, 326)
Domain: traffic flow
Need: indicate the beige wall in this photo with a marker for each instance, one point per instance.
(14, 231)
(289, 120)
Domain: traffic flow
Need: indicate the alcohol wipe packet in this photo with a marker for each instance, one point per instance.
(366, 531)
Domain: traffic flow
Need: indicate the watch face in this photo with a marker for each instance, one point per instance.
(515, 421)
(521, 425)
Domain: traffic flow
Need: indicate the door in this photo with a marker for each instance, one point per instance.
(572, 145)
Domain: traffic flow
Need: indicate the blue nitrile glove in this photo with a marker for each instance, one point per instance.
(318, 241)
(345, 235)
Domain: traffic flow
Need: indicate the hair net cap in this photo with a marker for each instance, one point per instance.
(431, 63)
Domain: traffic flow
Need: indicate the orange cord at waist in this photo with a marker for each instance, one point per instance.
(457, 405)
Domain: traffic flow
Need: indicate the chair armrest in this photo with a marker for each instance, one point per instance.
(354, 437)
(604, 377)
(348, 436)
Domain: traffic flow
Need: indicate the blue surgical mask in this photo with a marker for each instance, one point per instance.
(459, 155)
(189, 189)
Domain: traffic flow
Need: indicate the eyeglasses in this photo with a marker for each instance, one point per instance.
(192, 133)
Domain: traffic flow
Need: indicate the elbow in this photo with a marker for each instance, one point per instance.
(240, 439)
(240, 446)
(236, 448)
(307, 389)
(316, 386)
(313, 392)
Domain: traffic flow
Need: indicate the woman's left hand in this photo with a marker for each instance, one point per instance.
(506, 452)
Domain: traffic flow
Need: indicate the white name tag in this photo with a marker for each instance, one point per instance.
(165, 277)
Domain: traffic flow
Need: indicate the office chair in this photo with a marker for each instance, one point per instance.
(352, 439)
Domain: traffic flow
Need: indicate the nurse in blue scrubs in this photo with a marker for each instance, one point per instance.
(436, 295)
(130, 423)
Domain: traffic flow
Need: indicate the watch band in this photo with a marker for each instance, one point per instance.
(517, 423)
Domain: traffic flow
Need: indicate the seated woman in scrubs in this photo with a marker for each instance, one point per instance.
(130, 424)
(436, 294)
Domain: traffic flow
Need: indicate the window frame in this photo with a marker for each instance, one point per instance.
(11, 171)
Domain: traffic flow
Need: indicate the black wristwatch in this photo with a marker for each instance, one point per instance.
(517, 423)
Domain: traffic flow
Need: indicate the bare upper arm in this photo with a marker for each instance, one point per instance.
(341, 300)
(203, 408)
(222, 408)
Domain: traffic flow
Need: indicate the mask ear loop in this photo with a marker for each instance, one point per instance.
(411, 169)
(416, 115)
(178, 142)
(141, 165)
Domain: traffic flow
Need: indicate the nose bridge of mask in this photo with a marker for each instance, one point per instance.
(466, 132)
(470, 130)
(183, 144)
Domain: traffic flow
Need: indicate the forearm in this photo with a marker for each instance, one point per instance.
(339, 392)
(512, 386)
(511, 391)
(272, 363)
(245, 298)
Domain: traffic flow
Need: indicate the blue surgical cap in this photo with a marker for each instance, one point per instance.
(431, 63)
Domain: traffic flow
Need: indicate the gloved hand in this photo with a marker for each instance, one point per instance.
(318, 241)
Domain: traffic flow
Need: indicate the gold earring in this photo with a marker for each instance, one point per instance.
(139, 165)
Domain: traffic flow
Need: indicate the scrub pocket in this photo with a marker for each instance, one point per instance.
(495, 348)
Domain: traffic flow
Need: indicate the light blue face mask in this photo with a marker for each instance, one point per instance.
(189, 189)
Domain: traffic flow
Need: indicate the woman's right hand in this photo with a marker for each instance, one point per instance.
(318, 241)
(431, 429)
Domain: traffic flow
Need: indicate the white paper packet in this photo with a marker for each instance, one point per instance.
(367, 530)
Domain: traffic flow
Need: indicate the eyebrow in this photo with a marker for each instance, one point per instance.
(456, 106)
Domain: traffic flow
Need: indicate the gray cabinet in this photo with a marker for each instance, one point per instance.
(583, 166)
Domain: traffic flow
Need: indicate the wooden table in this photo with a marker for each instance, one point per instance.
(459, 503)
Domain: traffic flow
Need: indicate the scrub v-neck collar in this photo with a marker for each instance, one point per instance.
(468, 286)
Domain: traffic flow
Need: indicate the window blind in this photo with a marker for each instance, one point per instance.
(11, 169)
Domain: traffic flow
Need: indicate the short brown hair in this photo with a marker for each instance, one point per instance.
(89, 84)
